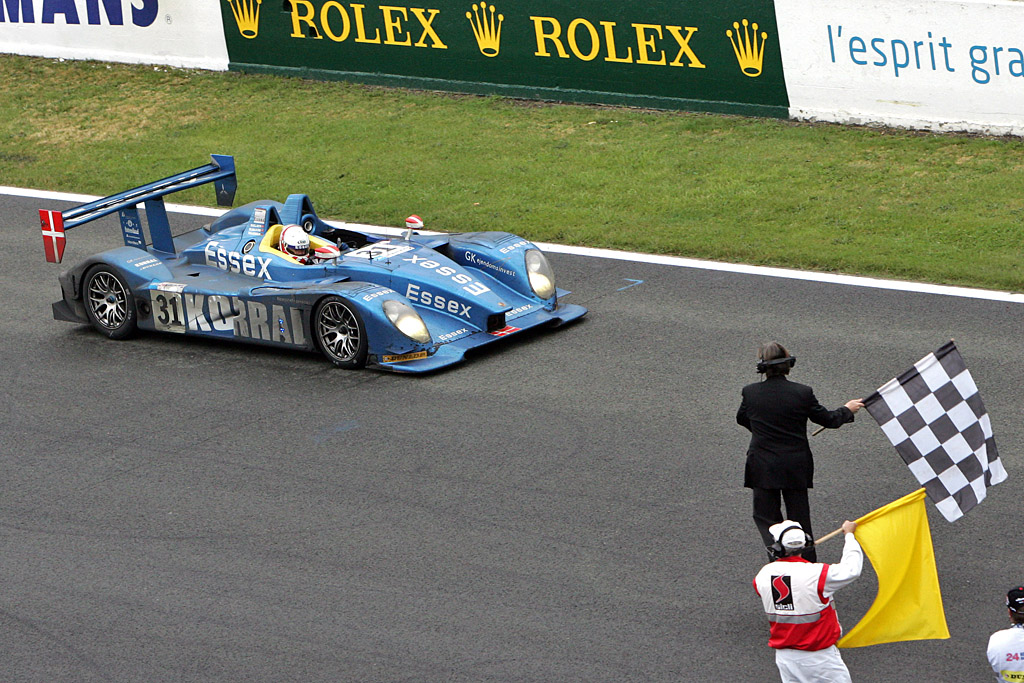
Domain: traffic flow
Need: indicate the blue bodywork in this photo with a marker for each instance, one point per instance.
(228, 280)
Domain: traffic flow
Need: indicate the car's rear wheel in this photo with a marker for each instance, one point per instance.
(108, 302)
(340, 332)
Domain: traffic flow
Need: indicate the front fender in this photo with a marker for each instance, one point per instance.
(383, 338)
(501, 255)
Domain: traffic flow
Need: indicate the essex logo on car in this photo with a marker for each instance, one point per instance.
(472, 286)
(233, 262)
(451, 336)
(441, 303)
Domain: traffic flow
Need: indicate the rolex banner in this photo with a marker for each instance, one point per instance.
(721, 57)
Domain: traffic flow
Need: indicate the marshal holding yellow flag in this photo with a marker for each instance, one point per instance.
(898, 542)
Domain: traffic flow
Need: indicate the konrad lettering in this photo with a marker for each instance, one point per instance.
(175, 311)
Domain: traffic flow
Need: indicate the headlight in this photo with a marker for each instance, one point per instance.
(407, 320)
(542, 279)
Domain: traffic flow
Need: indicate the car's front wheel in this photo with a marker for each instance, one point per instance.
(340, 332)
(108, 303)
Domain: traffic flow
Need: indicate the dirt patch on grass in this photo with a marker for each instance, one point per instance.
(101, 119)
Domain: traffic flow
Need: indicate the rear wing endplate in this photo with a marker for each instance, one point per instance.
(221, 172)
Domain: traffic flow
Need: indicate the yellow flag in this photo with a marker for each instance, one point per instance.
(897, 540)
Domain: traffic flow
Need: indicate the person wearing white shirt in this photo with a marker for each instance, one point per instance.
(1006, 647)
(797, 598)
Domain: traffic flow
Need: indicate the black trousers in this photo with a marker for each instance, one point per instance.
(768, 511)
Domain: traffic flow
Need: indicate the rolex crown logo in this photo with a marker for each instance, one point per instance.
(749, 52)
(247, 16)
(486, 29)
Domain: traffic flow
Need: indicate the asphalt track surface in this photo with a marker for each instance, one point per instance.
(565, 508)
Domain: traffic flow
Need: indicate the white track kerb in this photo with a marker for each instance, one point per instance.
(849, 280)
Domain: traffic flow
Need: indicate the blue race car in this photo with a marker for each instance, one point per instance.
(412, 303)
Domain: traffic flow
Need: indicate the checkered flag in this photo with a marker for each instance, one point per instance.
(933, 415)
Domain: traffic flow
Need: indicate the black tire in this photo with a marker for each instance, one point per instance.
(339, 332)
(109, 303)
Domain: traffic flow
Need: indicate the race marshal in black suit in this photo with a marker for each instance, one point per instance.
(780, 467)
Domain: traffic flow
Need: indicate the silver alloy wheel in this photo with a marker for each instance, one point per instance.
(108, 300)
(339, 332)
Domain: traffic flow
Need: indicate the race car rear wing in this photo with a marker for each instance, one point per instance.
(221, 172)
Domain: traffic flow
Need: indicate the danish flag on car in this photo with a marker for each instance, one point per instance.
(53, 234)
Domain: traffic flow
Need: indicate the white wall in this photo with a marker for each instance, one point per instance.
(182, 33)
(928, 64)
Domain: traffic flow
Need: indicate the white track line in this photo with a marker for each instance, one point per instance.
(850, 280)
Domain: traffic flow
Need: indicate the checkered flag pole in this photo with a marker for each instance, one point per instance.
(933, 415)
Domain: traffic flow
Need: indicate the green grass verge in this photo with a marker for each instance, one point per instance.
(926, 207)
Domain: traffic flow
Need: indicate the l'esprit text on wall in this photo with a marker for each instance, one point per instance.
(90, 12)
(926, 52)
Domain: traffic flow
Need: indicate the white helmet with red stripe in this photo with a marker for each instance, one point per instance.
(294, 241)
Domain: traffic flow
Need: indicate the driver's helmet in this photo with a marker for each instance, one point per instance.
(294, 241)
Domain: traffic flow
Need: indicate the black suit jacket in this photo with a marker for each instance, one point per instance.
(776, 412)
